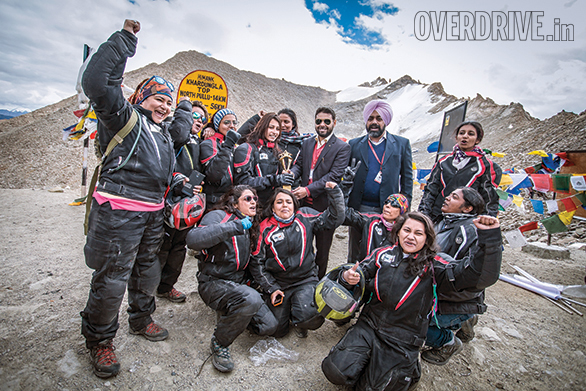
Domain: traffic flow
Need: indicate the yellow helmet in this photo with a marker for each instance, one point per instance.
(335, 301)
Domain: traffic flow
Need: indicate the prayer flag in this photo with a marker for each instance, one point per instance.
(506, 180)
(542, 182)
(515, 238)
(578, 182)
(537, 206)
(503, 195)
(518, 200)
(540, 152)
(561, 182)
(566, 217)
(569, 204)
(529, 226)
(552, 206)
(554, 225)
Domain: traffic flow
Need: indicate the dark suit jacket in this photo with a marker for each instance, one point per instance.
(332, 162)
(397, 169)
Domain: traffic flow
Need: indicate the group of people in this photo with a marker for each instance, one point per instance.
(257, 266)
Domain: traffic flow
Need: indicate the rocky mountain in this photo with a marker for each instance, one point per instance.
(33, 154)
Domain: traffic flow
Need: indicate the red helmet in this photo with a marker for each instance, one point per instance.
(187, 212)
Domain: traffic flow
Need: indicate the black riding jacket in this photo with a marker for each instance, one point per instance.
(284, 255)
(224, 244)
(141, 167)
(400, 307)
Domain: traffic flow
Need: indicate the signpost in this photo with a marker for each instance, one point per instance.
(452, 119)
(207, 87)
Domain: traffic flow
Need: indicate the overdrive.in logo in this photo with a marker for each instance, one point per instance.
(481, 25)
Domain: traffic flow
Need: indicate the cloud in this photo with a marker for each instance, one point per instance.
(353, 20)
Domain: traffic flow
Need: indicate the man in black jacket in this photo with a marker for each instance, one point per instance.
(322, 159)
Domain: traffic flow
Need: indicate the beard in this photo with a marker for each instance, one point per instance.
(375, 131)
(324, 133)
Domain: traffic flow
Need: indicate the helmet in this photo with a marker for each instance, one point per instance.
(333, 300)
(185, 213)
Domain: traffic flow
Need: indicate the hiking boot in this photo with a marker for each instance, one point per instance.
(104, 360)
(300, 333)
(221, 357)
(466, 332)
(173, 295)
(442, 355)
(152, 332)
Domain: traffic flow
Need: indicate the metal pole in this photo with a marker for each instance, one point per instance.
(86, 142)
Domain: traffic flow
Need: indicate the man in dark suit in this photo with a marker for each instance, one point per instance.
(386, 166)
(322, 159)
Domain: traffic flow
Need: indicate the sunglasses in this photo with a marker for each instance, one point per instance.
(325, 121)
(228, 122)
(199, 116)
(160, 80)
(250, 198)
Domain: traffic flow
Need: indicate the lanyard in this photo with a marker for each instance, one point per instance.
(380, 161)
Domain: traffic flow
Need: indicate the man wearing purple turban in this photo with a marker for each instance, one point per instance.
(386, 166)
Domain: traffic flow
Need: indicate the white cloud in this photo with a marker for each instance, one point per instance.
(320, 7)
(41, 45)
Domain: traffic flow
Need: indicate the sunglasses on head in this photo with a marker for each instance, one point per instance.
(250, 198)
(160, 80)
(199, 116)
(325, 121)
(228, 122)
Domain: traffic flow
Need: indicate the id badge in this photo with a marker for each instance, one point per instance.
(379, 177)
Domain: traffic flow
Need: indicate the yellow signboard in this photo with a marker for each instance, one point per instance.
(207, 87)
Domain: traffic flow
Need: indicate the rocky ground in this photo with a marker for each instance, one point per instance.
(523, 342)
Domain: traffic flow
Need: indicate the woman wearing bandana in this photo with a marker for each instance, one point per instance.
(467, 166)
(375, 227)
(283, 262)
(125, 227)
(256, 162)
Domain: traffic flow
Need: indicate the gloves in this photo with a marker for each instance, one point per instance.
(246, 223)
(231, 139)
(285, 179)
(177, 183)
(351, 170)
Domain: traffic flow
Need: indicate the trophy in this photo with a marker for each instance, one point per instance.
(286, 160)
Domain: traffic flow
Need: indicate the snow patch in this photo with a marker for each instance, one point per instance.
(356, 93)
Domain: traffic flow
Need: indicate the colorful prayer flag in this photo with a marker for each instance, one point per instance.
(554, 225)
(529, 226)
(537, 206)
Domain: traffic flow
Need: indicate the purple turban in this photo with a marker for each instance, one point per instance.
(381, 107)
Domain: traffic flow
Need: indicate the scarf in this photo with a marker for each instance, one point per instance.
(388, 225)
(460, 155)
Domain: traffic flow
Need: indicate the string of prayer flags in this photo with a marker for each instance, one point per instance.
(554, 225)
(538, 206)
(529, 226)
(542, 182)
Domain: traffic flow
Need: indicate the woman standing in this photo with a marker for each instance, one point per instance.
(467, 166)
(125, 226)
(256, 162)
(172, 252)
(224, 236)
(283, 263)
(381, 351)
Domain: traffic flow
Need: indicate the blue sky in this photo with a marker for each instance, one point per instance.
(331, 44)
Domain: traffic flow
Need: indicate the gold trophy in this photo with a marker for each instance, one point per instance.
(286, 160)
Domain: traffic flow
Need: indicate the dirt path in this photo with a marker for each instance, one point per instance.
(523, 342)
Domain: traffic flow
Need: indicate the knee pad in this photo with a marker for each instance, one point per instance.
(312, 324)
(332, 372)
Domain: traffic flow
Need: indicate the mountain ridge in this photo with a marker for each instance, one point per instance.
(34, 155)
